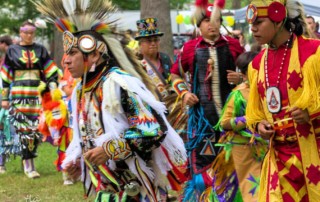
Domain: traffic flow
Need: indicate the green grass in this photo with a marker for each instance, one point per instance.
(16, 187)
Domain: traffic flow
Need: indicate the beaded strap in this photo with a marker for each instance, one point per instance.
(180, 87)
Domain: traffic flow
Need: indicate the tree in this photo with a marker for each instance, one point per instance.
(236, 4)
(14, 12)
(135, 4)
(161, 11)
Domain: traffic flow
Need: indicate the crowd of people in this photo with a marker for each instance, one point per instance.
(222, 122)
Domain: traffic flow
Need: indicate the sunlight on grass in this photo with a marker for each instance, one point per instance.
(16, 187)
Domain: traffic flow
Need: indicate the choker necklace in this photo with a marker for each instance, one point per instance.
(273, 95)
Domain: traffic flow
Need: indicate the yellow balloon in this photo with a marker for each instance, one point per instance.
(230, 21)
(179, 19)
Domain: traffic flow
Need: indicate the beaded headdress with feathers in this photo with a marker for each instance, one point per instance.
(82, 20)
(78, 15)
(73, 17)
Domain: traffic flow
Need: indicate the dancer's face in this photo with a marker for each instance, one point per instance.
(27, 35)
(75, 61)
(264, 30)
(209, 30)
(149, 45)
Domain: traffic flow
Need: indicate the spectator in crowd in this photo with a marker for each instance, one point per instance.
(312, 26)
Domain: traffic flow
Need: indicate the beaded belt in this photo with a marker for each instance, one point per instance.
(20, 75)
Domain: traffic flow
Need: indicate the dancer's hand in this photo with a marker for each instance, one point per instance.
(74, 170)
(190, 99)
(234, 78)
(96, 156)
(300, 116)
(5, 104)
(265, 129)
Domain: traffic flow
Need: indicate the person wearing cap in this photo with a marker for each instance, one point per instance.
(5, 145)
(157, 65)
(25, 65)
(123, 147)
(284, 101)
(208, 58)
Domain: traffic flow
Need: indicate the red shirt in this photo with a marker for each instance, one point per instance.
(188, 52)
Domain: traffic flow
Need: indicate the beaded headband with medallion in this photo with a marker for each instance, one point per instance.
(75, 16)
(274, 10)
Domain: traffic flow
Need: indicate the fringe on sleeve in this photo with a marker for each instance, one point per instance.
(254, 110)
(310, 97)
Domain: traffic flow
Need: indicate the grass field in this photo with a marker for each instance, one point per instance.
(16, 187)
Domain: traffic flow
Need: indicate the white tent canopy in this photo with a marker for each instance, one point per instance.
(312, 7)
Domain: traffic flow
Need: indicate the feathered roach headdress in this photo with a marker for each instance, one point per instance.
(206, 10)
(80, 21)
(86, 26)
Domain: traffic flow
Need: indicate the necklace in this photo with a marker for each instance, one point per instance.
(273, 96)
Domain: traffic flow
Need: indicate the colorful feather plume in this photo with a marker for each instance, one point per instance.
(77, 15)
(216, 12)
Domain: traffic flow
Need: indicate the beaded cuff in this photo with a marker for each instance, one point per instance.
(180, 87)
(117, 149)
(238, 123)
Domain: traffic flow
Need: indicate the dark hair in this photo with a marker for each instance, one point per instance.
(310, 17)
(28, 22)
(204, 16)
(256, 47)
(129, 31)
(6, 39)
(294, 25)
(244, 59)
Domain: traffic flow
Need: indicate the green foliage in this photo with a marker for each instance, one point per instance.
(13, 13)
(16, 187)
(229, 3)
(127, 4)
(135, 4)
(179, 4)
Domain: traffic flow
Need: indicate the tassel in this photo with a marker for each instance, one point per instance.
(254, 111)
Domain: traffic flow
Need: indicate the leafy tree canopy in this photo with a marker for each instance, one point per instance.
(135, 4)
(13, 13)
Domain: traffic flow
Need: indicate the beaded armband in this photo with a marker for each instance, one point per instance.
(180, 87)
(238, 123)
(117, 149)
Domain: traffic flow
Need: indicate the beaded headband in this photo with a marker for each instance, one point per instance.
(28, 29)
(275, 11)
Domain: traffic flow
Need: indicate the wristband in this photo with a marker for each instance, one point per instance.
(237, 123)
(240, 78)
(180, 87)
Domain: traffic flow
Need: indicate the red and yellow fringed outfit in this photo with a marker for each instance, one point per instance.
(291, 168)
(54, 121)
